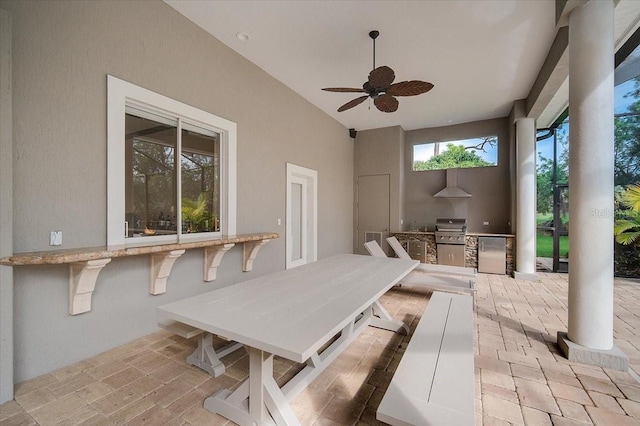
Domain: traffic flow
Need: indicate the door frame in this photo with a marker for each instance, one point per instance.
(308, 178)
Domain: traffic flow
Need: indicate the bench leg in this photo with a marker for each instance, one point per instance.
(266, 403)
(382, 319)
(207, 359)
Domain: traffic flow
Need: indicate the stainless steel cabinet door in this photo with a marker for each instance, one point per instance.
(451, 254)
(492, 255)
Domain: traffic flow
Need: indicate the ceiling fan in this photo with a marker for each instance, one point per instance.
(379, 86)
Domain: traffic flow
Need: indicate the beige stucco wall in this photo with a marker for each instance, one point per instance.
(62, 54)
(490, 187)
(6, 211)
(380, 151)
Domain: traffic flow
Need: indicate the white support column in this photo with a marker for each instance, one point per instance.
(526, 200)
(591, 159)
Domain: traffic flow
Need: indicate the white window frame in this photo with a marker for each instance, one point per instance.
(121, 93)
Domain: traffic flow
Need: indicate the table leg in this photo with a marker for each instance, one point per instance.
(382, 319)
(258, 400)
(207, 358)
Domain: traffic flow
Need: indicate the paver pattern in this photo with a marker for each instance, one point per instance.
(521, 378)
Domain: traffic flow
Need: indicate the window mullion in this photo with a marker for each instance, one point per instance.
(178, 167)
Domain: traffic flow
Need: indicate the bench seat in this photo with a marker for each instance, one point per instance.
(440, 282)
(431, 268)
(182, 330)
(434, 382)
(205, 356)
(441, 277)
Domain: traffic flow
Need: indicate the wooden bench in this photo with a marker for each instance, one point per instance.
(205, 356)
(434, 382)
(438, 279)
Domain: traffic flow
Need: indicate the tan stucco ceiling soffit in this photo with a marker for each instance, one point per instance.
(553, 74)
(563, 10)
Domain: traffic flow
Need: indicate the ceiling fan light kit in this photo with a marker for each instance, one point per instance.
(380, 87)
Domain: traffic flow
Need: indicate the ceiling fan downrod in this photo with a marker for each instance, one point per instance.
(374, 35)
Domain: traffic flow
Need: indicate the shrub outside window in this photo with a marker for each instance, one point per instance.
(457, 154)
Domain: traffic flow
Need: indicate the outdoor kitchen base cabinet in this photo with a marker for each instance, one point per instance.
(418, 250)
(492, 255)
(451, 254)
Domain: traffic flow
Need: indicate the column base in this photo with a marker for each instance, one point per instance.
(613, 358)
(527, 276)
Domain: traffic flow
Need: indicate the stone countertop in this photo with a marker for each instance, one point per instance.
(56, 257)
(471, 234)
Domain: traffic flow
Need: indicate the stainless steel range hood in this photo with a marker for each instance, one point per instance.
(452, 190)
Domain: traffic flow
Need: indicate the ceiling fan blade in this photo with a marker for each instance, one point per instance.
(409, 88)
(351, 104)
(386, 103)
(381, 77)
(344, 90)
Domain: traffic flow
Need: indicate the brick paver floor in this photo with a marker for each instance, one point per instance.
(521, 377)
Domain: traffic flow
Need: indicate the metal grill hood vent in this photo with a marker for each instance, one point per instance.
(452, 190)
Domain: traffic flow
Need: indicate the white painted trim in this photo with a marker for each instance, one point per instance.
(309, 180)
(121, 93)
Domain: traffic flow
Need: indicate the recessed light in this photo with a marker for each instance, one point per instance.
(242, 36)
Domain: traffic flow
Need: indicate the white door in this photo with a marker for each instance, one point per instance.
(301, 224)
(373, 206)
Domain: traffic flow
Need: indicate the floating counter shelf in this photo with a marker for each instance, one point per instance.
(86, 263)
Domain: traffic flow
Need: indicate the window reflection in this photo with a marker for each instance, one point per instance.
(152, 176)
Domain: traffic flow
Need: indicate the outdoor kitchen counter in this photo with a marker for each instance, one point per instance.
(471, 246)
(473, 234)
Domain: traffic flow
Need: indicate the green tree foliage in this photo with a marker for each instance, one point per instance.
(153, 180)
(196, 214)
(627, 227)
(627, 141)
(545, 172)
(456, 156)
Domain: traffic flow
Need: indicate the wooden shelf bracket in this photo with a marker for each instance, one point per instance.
(161, 264)
(212, 258)
(82, 282)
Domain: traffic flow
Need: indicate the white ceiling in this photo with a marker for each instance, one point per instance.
(480, 55)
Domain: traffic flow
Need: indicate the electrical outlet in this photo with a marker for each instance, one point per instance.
(279, 221)
(55, 239)
(485, 223)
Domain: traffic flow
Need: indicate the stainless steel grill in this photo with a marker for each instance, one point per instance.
(450, 241)
(451, 231)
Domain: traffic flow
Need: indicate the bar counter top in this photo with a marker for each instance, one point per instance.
(56, 257)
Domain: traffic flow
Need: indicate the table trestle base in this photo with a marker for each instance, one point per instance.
(207, 358)
(382, 319)
(259, 400)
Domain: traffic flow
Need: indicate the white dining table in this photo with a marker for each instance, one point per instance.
(292, 314)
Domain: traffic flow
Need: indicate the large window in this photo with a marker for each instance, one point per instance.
(464, 153)
(171, 169)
